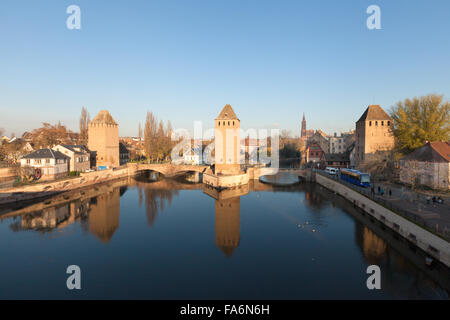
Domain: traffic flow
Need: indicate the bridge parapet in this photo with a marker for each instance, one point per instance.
(167, 169)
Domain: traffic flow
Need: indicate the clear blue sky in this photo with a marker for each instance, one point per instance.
(184, 60)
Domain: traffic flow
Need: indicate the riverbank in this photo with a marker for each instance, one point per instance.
(435, 246)
(43, 190)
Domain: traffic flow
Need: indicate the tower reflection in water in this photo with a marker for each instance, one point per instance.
(227, 214)
(100, 214)
(104, 215)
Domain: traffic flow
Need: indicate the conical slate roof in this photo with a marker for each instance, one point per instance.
(227, 113)
(374, 112)
(104, 117)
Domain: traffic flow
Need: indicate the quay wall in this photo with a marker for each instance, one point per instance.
(7, 177)
(40, 190)
(430, 243)
(225, 181)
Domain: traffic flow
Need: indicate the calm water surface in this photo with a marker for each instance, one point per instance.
(170, 240)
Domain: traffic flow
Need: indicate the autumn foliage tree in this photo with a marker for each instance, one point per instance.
(419, 120)
(50, 135)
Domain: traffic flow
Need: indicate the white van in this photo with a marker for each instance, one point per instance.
(332, 171)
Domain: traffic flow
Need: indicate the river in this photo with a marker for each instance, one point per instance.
(172, 240)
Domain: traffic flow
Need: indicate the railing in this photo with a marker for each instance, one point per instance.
(411, 216)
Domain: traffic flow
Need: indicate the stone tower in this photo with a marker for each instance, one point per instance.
(374, 135)
(104, 215)
(227, 142)
(228, 224)
(303, 133)
(103, 138)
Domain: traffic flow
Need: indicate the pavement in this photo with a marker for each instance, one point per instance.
(435, 214)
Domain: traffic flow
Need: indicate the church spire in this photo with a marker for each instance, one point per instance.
(303, 133)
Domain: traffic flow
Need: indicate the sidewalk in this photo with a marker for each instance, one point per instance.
(436, 215)
(408, 203)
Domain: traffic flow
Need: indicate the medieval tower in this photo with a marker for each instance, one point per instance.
(228, 224)
(104, 215)
(374, 135)
(227, 142)
(103, 138)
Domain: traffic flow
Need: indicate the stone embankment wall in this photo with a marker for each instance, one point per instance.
(34, 191)
(7, 177)
(433, 245)
(225, 181)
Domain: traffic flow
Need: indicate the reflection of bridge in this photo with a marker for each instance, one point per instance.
(167, 169)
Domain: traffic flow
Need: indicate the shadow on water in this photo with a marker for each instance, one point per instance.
(97, 210)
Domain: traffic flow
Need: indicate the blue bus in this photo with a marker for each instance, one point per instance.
(355, 177)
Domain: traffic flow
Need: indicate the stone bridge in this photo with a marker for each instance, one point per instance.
(167, 169)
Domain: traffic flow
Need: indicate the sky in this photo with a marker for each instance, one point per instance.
(184, 60)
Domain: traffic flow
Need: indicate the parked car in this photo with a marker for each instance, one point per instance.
(332, 171)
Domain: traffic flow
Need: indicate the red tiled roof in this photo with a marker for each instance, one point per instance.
(436, 151)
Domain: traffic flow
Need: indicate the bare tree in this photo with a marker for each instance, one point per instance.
(84, 122)
(140, 131)
(150, 135)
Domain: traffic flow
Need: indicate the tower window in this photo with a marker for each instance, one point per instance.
(370, 123)
(233, 123)
(228, 122)
(219, 123)
(376, 123)
(223, 123)
(382, 123)
(389, 123)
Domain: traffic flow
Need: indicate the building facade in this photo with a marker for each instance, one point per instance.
(314, 153)
(48, 164)
(227, 143)
(339, 144)
(319, 137)
(124, 154)
(336, 144)
(428, 166)
(103, 139)
(79, 156)
(336, 160)
(374, 135)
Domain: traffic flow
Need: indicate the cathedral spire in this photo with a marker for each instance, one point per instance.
(303, 132)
